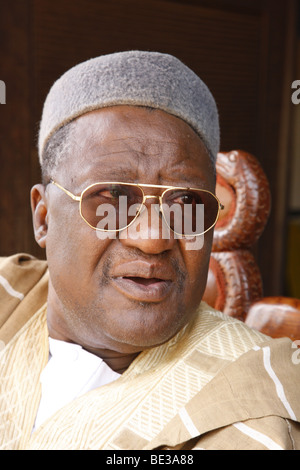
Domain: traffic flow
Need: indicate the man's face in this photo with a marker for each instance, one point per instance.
(124, 294)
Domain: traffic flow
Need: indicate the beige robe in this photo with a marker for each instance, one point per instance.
(216, 385)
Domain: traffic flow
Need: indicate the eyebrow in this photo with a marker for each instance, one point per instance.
(118, 174)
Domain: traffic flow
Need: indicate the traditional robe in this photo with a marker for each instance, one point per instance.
(216, 385)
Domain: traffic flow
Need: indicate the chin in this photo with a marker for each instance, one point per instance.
(151, 330)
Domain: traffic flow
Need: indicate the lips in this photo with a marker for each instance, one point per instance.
(143, 281)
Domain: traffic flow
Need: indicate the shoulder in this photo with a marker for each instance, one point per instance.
(18, 274)
(224, 335)
(250, 402)
(24, 260)
(23, 289)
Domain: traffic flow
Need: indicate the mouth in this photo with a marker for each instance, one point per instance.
(143, 281)
(143, 289)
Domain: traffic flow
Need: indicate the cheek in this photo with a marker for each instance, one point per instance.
(196, 257)
(73, 250)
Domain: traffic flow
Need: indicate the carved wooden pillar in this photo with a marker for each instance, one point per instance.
(234, 280)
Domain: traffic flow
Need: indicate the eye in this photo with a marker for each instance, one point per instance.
(108, 192)
(186, 198)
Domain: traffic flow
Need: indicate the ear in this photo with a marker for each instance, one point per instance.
(39, 214)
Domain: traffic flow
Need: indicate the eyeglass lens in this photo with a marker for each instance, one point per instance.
(114, 206)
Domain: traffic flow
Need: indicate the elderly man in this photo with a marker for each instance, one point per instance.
(108, 345)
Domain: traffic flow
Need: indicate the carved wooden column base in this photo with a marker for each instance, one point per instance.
(234, 282)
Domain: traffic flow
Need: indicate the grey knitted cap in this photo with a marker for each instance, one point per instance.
(136, 78)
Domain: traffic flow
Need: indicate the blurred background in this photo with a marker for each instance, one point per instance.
(247, 52)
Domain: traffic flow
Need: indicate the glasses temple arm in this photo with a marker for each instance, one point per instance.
(75, 198)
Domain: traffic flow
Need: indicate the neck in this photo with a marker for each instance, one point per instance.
(117, 356)
(116, 361)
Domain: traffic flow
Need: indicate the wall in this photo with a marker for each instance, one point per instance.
(294, 198)
(292, 282)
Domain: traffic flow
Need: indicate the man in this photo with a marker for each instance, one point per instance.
(108, 345)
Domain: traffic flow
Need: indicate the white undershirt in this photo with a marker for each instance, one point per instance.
(70, 372)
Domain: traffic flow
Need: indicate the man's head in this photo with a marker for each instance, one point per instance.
(123, 293)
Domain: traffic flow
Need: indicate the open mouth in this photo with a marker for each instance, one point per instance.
(143, 289)
(143, 281)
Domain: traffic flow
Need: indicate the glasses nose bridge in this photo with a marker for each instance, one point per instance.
(153, 196)
(149, 196)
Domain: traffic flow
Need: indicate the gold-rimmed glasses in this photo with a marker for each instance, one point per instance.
(114, 206)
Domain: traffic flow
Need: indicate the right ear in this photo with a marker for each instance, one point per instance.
(39, 214)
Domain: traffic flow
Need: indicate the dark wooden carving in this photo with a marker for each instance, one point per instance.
(243, 188)
(234, 283)
(238, 281)
(234, 280)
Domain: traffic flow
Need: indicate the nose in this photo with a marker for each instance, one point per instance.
(149, 232)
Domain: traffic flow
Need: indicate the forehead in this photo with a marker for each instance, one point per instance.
(130, 143)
